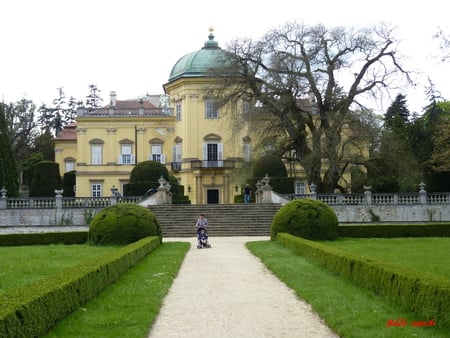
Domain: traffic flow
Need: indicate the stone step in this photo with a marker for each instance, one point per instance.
(223, 219)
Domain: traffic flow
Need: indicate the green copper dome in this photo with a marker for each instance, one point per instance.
(197, 64)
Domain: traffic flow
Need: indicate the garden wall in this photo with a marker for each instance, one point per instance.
(345, 214)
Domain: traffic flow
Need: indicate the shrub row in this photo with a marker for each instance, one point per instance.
(426, 295)
(75, 237)
(394, 230)
(32, 310)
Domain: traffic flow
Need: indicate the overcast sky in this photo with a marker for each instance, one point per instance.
(131, 46)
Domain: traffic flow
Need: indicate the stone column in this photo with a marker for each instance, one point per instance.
(266, 190)
(163, 192)
(312, 193)
(368, 194)
(114, 195)
(3, 198)
(422, 193)
(258, 192)
(58, 198)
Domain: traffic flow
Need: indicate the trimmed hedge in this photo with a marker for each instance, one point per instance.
(395, 230)
(426, 295)
(32, 310)
(123, 223)
(74, 237)
(306, 218)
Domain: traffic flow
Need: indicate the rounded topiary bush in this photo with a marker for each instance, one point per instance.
(123, 224)
(310, 219)
(149, 171)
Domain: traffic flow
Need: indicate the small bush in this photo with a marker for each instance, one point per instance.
(123, 224)
(310, 219)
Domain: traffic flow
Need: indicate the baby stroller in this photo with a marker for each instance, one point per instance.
(202, 238)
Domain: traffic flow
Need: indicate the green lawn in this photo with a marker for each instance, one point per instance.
(125, 309)
(128, 307)
(351, 311)
(422, 254)
(22, 265)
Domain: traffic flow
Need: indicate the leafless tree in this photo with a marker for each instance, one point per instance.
(306, 84)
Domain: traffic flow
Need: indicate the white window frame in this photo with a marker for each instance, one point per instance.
(69, 166)
(177, 153)
(126, 156)
(96, 154)
(211, 109)
(247, 148)
(96, 189)
(212, 152)
(156, 153)
(300, 188)
(178, 111)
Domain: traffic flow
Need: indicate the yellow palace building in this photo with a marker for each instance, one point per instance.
(184, 129)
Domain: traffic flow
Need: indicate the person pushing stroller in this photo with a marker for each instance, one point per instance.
(202, 232)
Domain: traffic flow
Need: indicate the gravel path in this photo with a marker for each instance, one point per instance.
(227, 292)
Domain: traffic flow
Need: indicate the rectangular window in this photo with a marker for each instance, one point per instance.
(300, 188)
(96, 190)
(211, 109)
(246, 109)
(247, 152)
(157, 154)
(213, 155)
(126, 156)
(176, 158)
(178, 111)
(69, 166)
(96, 154)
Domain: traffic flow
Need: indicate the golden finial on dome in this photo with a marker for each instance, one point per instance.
(211, 29)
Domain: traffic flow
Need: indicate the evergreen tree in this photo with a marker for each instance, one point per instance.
(394, 166)
(46, 179)
(9, 174)
(93, 100)
(397, 115)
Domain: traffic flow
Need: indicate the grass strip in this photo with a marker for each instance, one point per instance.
(128, 307)
(23, 265)
(349, 310)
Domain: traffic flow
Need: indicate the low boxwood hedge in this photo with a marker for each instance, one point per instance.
(73, 237)
(426, 295)
(395, 230)
(32, 310)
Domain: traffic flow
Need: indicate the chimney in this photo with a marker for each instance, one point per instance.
(112, 98)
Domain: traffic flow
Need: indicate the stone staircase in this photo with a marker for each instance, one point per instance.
(223, 219)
